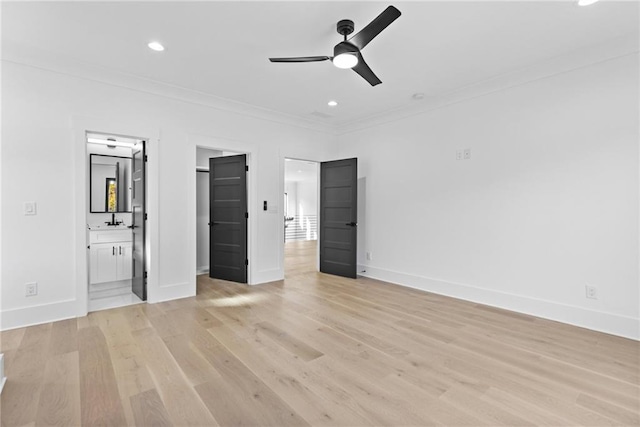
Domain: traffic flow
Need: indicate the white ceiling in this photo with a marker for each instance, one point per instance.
(221, 48)
(300, 170)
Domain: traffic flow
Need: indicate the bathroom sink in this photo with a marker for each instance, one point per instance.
(107, 227)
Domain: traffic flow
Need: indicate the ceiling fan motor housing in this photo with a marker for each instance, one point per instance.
(345, 27)
(344, 47)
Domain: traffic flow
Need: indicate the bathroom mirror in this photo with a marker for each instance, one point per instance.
(110, 184)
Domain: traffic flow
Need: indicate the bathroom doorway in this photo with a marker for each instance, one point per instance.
(116, 221)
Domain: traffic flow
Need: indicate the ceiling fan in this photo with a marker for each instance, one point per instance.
(346, 54)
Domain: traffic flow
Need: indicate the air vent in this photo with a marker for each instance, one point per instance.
(322, 115)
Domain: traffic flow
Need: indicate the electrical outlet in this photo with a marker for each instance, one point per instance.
(31, 289)
(459, 154)
(368, 256)
(467, 153)
(591, 292)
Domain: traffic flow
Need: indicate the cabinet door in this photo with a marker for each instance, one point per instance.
(125, 257)
(103, 262)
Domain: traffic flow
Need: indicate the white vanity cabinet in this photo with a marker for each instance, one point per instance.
(110, 255)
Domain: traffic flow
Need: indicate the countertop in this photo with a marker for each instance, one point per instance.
(105, 227)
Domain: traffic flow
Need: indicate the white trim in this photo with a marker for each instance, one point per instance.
(603, 52)
(38, 58)
(609, 323)
(38, 314)
(606, 51)
(174, 291)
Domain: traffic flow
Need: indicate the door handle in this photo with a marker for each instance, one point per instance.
(352, 224)
(119, 250)
(113, 250)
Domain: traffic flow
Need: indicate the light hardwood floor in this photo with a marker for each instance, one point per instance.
(316, 350)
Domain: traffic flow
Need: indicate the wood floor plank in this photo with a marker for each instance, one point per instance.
(179, 398)
(241, 385)
(25, 377)
(281, 375)
(10, 340)
(148, 409)
(64, 337)
(193, 365)
(59, 403)
(100, 401)
(315, 349)
(290, 343)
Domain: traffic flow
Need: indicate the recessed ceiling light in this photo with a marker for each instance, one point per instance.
(586, 2)
(332, 103)
(156, 46)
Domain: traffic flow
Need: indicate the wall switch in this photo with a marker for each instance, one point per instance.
(467, 153)
(31, 289)
(30, 208)
(368, 256)
(459, 154)
(591, 292)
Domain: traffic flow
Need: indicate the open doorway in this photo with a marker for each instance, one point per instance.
(300, 216)
(115, 217)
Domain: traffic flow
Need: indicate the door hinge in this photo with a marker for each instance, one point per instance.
(89, 247)
(145, 275)
(146, 158)
(145, 216)
(246, 214)
(246, 168)
(246, 262)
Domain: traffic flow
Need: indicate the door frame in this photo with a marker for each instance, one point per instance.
(80, 126)
(235, 147)
(282, 187)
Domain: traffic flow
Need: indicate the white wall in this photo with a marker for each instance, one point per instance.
(308, 197)
(38, 151)
(547, 204)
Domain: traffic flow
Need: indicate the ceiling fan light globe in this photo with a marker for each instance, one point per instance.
(345, 60)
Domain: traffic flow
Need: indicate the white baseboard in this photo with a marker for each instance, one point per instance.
(38, 314)
(202, 270)
(610, 323)
(173, 291)
(266, 276)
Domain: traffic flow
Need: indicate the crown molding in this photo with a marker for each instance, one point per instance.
(45, 60)
(603, 52)
(606, 51)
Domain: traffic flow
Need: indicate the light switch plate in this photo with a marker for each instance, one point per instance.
(467, 153)
(30, 208)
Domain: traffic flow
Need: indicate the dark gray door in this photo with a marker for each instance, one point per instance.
(338, 217)
(139, 282)
(228, 218)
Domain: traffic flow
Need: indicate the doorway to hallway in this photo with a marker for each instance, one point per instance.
(300, 216)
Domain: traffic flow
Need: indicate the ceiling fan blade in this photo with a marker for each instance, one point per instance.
(301, 59)
(374, 28)
(363, 69)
